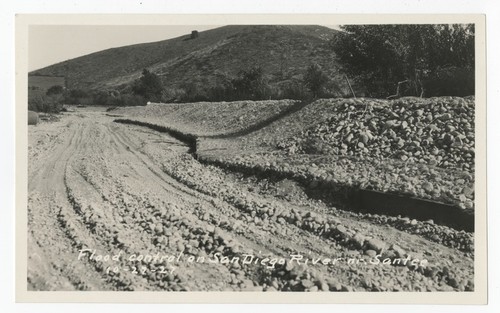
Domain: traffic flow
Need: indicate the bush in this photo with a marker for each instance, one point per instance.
(149, 86)
(220, 93)
(381, 56)
(101, 98)
(77, 96)
(172, 95)
(194, 92)
(316, 80)
(128, 100)
(55, 90)
(295, 90)
(450, 81)
(251, 85)
(46, 104)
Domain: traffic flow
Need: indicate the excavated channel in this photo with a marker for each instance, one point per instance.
(349, 198)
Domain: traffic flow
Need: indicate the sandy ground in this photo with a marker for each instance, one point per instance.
(129, 193)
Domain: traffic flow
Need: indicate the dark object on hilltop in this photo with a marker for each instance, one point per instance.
(194, 34)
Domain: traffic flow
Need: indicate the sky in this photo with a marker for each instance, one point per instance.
(50, 44)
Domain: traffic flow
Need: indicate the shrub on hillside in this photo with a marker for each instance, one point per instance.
(55, 90)
(128, 100)
(46, 104)
(251, 85)
(172, 95)
(194, 92)
(220, 93)
(77, 96)
(294, 90)
(101, 98)
(149, 86)
(316, 80)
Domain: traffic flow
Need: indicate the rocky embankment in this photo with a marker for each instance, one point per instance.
(419, 148)
(207, 118)
(422, 148)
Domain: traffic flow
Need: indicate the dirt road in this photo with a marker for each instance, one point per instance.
(121, 207)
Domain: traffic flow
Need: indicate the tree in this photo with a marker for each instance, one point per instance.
(55, 90)
(315, 80)
(44, 103)
(251, 85)
(381, 56)
(100, 97)
(75, 96)
(149, 86)
(193, 92)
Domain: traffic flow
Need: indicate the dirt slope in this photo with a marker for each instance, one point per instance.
(125, 189)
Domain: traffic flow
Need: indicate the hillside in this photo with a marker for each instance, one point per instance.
(44, 82)
(283, 51)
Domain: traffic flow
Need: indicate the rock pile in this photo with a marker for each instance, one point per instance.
(435, 131)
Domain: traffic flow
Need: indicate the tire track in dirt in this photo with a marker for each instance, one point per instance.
(48, 238)
(161, 175)
(88, 193)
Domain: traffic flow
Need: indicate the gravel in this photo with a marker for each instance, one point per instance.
(408, 146)
(434, 131)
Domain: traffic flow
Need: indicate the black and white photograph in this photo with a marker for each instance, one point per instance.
(294, 158)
